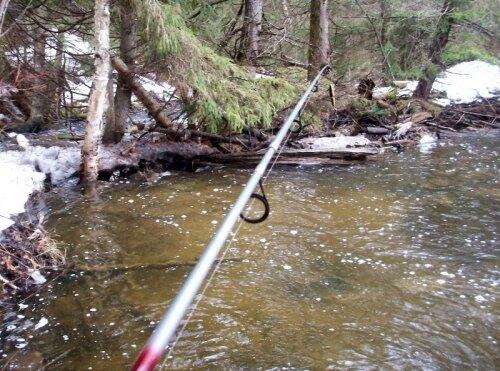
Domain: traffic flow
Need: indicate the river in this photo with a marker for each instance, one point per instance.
(391, 264)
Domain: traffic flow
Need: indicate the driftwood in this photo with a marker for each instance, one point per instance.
(377, 130)
(25, 247)
(119, 268)
(421, 117)
(485, 113)
(131, 155)
(290, 156)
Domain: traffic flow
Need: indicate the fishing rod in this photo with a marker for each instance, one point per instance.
(164, 332)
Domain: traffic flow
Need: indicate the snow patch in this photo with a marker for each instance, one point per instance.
(74, 44)
(80, 91)
(469, 81)
(24, 172)
(161, 90)
(408, 90)
(382, 92)
(465, 82)
(479, 298)
(334, 143)
(22, 141)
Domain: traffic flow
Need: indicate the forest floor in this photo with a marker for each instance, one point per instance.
(383, 119)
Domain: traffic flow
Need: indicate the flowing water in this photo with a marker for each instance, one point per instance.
(392, 264)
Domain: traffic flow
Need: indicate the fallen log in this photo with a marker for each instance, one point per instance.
(291, 156)
(377, 130)
(127, 155)
(421, 117)
(155, 109)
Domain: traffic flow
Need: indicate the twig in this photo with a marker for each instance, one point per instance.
(8, 283)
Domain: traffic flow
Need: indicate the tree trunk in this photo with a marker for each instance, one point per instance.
(319, 42)
(384, 14)
(438, 44)
(155, 109)
(252, 27)
(59, 75)
(122, 101)
(110, 126)
(3, 10)
(98, 97)
(40, 102)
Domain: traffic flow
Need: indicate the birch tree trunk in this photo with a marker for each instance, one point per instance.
(252, 27)
(115, 127)
(3, 9)
(438, 44)
(319, 42)
(98, 98)
(384, 15)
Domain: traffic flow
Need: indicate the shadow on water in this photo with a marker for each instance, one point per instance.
(393, 264)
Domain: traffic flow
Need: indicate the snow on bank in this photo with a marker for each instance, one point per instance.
(24, 172)
(335, 143)
(469, 81)
(463, 83)
(17, 183)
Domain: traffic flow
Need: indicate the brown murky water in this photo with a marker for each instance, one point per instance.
(392, 264)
